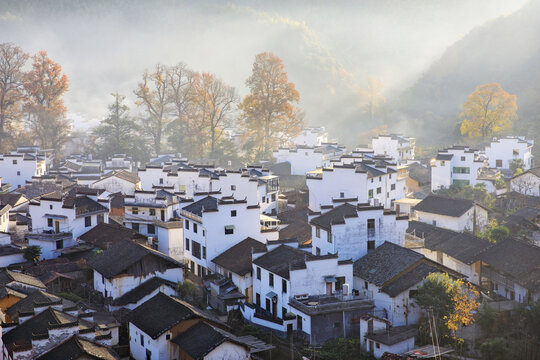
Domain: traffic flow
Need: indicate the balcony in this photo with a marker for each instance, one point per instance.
(49, 235)
(322, 304)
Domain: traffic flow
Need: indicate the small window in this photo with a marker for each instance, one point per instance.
(370, 193)
(443, 163)
(258, 299)
(50, 222)
(18, 173)
(134, 210)
(50, 207)
(168, 336)
(14, 162)
(258, 273)
(194, 228)
(264, 199)
(152, 212)
(377, 345)
(317, 251)
(366, 285)
(59, 244)
(233, 213)
(515, 152)
(379, 190)
(162, 215)
(389, 176)
(151, 229)
(283, 285)
(498, 163)
(342, 195)
(434, 223)
(318, 232)
(100, 218)
(229, 229)
(307, 154)
(142, 339)
(271, 280)
(161, 181)
(233, 187)
(393, 187)
(135, 226)
(187, 244)
(380, 178)
(371, 179)
(463, 158)
(371, 244)
(88, 221)
(187, 224)
(329, 237)
(204, 252)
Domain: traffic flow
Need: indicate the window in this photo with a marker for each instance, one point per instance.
(317, 251)
(307, 154)
(233, 213)
(329, 237)
(14, 162)
(379, 190)
(389, 176)
(443, 163)
(162, 215)
(233, 187)
(268, 305)
(371, 224)
(273, 197)
(88, 221)
(59, 244)
(342, 195)
(229, 229)
(340, 280)
(271, 280)
(151, 229)
(187, 244)
(371, 244)
(498, 163)
(258, 273)
(195, 249)
(50, 222)
(18, 173)
(515, 152)
(366, 285)
(168, 336)
(50, 207)
(370, 193)
(434, 223)
(100, 218)
(194, 228)
(461, 170)
(283, 285)
(318, 232)
(460, 182)
(161, 180)
(298, 322)
(135, 226)
(377, 345)
(258, 299)
(187, 224)
(371, 179)
(152, 212)
(380, 178)
(134, 210)
(412, 293)
(142, 339)
(463, 158)
(283, 312)
(204, 252)
(393, 187)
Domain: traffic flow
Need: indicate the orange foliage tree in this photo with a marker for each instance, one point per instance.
(269, 115)
(45, 85)
(488, 111)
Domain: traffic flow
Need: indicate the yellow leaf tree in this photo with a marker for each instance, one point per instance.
(488, 111)
(269, 114)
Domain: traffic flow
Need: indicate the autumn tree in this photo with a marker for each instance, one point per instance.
(452, 302)
(153, 96)
(214, 103)
(372, 98)
(12, 60)
(182, 87)
(45, 85)
(269, 113)
(488, 111)
(117, 133)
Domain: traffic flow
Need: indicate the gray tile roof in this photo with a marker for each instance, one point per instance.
(335, 216)
(444, 206)
(77, 347)
(133, 296)
(238, 258)
(281, 258)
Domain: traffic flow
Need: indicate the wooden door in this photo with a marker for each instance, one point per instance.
(57, 226)
(328, 288)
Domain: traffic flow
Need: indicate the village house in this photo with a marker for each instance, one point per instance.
(308, 158)
(212, 226)
(399, 148)
(295, 290)
(175, 330)
(418, 179)
(527, 183)
(459, 165)
(390, 275)
(119, 162)
(122, 181)
(9, 253)
(452, 214)
(126, 265)
(311, 136)
(351, 231)
(501, 152)
(369, 181)
(221, 294)
(103, 235)
(20, 282)
(58, 220)
(78, 347)
(377, 336)
(18, 166)
(143, 293)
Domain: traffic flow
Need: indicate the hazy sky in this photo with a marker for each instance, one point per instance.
(329, 48)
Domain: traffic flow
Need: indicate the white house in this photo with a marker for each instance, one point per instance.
(452, 214)
(502, 151)
(311, 136)
(307, 158)
(458, 165)
(142, 293)
(527, 183)
(369, 181)
(165, 328)
(4, 218)
(289, 285)
(9, 254)
(212, 226)
(119, 162)
(21, 282)
(126, 265)
(57, 220)
(351, 231)
(399, 148)
(377, 336)
(390, 275)
(17, 167)
(122, 181)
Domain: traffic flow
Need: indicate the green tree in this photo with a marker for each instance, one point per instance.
(477, 193)
(517, 166)
(32, 253)
(495, 349)
(494, 232)
(118, 132)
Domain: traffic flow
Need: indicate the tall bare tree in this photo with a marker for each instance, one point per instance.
(153, 95)
(12, 60)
